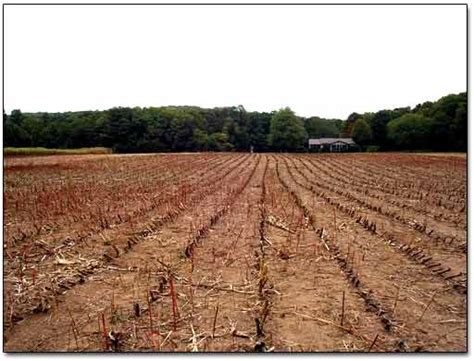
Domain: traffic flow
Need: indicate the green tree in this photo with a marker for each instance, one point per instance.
(287, 132)
(458, 129)
(321, 128)
(17, 117)
(349, 123)
(361, 132)
(410, 131)
(201, 140)
(219, 142)
(378, 126)
(183, 127)
(14, 133)
(258, 129)
(449, 123)
(188, 128)
(125, 129)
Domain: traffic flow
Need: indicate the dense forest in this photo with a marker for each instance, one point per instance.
(434, 126)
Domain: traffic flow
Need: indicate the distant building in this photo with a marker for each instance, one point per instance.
(332, 145)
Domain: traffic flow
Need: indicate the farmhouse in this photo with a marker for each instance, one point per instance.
(332, 145)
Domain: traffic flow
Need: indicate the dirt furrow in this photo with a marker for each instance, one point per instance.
(437, 261)
(434, 232)
(116, 289)
(384, 274)
(397, 182)
(306, 313)
(53, 230)
(389, 231)
(74, 265)
(375, 189)
(237, 253)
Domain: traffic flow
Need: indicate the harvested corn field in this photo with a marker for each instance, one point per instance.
(235, 252)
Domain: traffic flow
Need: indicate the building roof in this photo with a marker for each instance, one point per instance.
(324, 141)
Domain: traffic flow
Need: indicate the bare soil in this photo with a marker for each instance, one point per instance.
(236, 253)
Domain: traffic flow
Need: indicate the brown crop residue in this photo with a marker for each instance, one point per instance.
(235, 252)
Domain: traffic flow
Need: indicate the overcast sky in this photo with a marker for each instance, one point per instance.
(319, 60)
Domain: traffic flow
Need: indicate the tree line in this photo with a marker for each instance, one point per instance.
(435, 126)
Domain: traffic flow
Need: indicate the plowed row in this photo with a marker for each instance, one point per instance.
(235, 252)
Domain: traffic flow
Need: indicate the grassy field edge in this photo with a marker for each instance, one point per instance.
(51, 151)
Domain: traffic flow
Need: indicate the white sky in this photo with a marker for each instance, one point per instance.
(319, 60)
